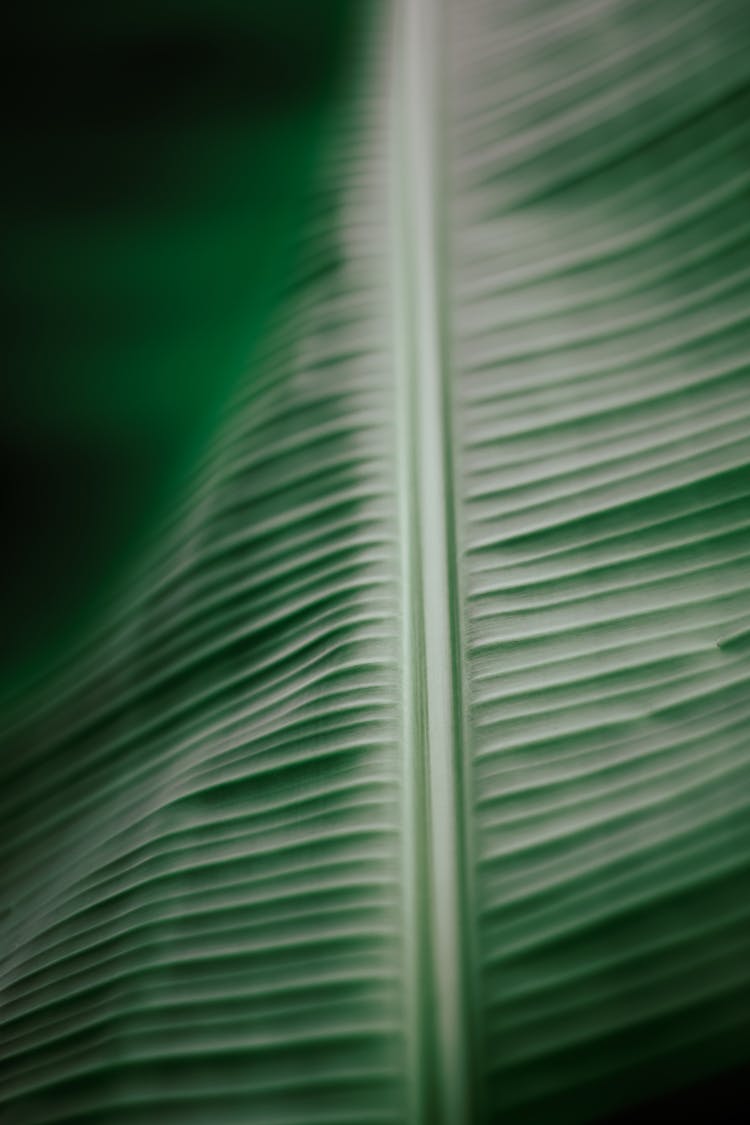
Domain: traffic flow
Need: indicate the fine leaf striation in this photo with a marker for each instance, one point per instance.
(408, 779)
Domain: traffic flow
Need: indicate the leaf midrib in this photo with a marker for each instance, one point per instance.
(434, 791)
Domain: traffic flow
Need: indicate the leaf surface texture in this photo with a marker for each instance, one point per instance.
(410, 781)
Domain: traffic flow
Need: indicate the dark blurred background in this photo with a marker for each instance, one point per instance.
(157, 158)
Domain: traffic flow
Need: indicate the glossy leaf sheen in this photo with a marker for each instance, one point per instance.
(411, 783)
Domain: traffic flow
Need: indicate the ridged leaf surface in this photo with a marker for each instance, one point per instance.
(409, 781)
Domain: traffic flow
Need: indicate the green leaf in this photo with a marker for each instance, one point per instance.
(155, 185)
(409, 782)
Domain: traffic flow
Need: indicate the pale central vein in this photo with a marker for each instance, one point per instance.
(432, 685)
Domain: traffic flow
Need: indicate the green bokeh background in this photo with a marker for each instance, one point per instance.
(157, 162)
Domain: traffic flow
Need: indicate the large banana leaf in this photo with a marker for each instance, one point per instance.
(410, 780)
